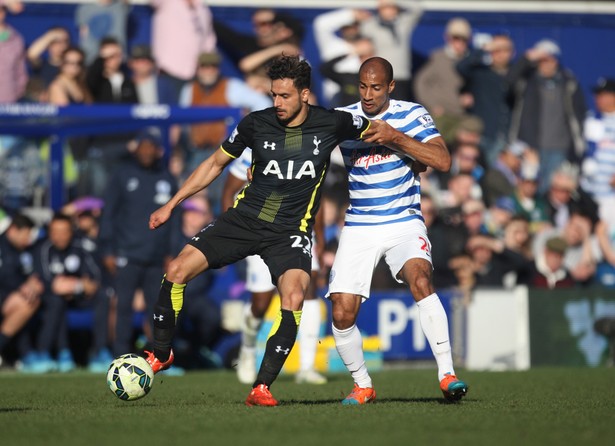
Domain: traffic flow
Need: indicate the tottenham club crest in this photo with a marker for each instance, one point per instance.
(316, 144)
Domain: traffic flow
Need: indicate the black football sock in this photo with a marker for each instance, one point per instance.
(166, 310)
(280, 343)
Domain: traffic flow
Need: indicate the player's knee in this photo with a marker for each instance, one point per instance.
(293, 300)
(421, 286)
(343, 323)
(176, 273)
(342, 319)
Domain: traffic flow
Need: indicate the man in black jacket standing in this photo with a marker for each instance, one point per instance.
(549, 108)
(133, 255)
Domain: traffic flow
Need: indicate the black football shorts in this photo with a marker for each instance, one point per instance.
(235, 236)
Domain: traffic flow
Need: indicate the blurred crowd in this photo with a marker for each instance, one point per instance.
(529, 198)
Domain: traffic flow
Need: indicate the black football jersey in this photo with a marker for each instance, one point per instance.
(289, 163)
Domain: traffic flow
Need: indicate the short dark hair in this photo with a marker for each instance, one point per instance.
(291, 67)
(382, 63)
(21, 221)
(60, 216)
(74, 49)
(109, 40)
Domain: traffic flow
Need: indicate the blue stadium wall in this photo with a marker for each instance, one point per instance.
(587, 40)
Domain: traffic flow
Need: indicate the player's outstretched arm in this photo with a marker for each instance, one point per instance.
(202, 177)
(433, 153)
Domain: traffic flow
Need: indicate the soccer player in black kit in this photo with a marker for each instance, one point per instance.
(272, 216)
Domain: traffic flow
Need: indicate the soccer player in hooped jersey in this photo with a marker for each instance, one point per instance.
(384, 219)
(272, 216)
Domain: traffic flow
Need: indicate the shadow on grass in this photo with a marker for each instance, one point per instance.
(15, 409)
(132, 404)
(419, 400)
(308, 402)
(378, 401)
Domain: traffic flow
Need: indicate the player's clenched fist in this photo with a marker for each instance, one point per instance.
(379, 132)
(159, 216)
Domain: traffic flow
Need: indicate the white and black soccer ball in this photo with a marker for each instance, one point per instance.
(130, 377)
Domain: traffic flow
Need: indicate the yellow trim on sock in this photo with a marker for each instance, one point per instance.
(278, 320)
(297, 315)
(276, 324)
(177, 297)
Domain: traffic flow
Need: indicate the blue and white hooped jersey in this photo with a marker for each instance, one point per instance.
(239, 167)
(382, 186)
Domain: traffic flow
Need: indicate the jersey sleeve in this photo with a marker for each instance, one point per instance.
(239, 138)
(350, 126)
(420, 125)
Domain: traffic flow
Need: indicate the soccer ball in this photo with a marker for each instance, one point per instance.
(130, 377)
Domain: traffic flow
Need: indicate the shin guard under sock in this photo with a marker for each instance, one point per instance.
(280, 343)
(309, 331)
(250, 326)
(434, 323)
(349, 345)
(166, 310)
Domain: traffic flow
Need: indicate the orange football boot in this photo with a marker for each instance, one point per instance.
(156, 364)
(360, 395)
(453, 388)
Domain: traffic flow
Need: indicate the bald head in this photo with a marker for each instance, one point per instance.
(378, 65)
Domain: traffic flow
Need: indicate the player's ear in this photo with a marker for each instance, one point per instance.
(391, 86)
(305, 95)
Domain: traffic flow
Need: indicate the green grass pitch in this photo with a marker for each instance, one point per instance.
(545, 406)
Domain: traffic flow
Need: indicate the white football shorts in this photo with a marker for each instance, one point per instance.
(361, 248)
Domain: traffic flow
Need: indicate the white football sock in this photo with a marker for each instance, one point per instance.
(435, 327)
(309, 331)
(349, 345)
(249, 327)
